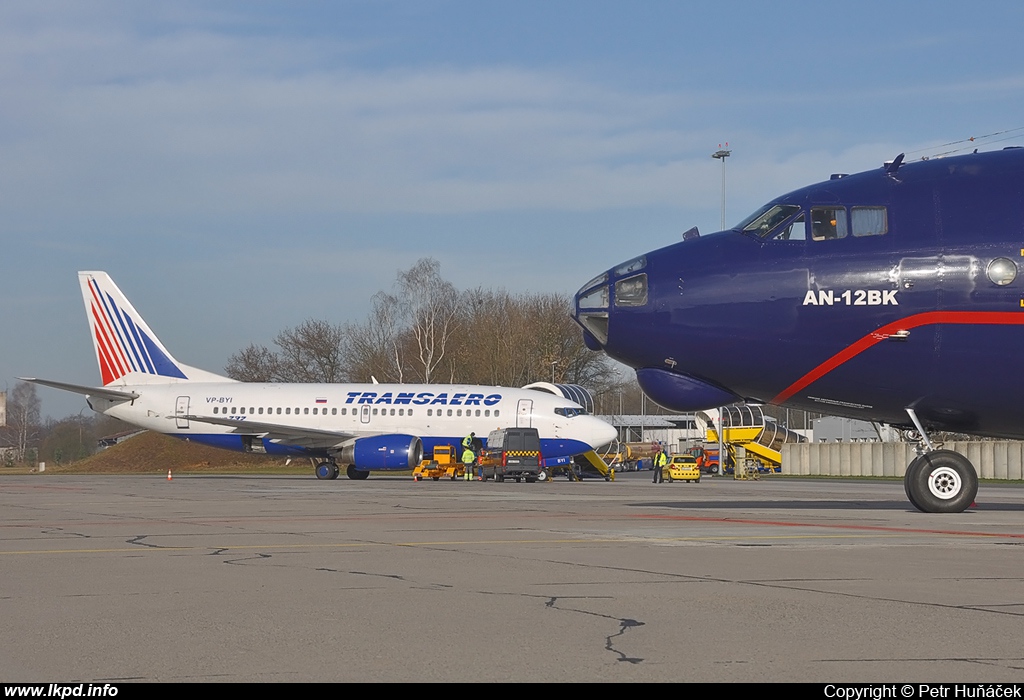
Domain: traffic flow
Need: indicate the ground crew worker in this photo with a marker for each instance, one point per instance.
(468, 455)
(659, 465)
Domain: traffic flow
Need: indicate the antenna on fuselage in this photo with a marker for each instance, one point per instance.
(893, 165)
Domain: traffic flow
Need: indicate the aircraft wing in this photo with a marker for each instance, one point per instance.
(284, 434)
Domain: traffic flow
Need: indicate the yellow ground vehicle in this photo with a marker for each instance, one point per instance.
(682, 468)
(443, 463)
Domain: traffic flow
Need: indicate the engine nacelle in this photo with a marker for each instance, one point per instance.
(384, 452)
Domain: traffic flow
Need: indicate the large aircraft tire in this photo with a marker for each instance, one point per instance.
(324, 470)
(355, 474)
(943, 482)
(335, 471)
(915, 466)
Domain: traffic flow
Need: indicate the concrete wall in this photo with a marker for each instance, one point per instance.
(992, 460)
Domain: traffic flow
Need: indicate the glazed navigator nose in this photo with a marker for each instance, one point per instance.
(623, 287)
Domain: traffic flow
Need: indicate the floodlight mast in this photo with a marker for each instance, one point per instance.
(721, 154)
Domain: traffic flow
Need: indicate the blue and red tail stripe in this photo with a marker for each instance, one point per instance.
(122, 346)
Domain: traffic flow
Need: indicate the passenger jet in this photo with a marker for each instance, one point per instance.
(892, 295)
(361, 427)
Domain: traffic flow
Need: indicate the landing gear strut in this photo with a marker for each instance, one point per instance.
(939, 481)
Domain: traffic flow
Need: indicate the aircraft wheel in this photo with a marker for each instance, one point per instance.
(942, 481)
(915, 466)
(324, 470)
(335, 471)
(355, 474)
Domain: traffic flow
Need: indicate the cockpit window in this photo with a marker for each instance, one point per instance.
(597, 299)
(630, 266)
(631, 291)
(795, 231)
(603, 277)
(764, 221)
(570, 412)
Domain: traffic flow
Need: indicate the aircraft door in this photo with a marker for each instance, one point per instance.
(181, 410)
(364, 414)
(524, 414)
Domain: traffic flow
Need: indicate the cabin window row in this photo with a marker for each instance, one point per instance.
(469, 412)
(287, 411)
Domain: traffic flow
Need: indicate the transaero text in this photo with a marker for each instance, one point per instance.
(422, 398)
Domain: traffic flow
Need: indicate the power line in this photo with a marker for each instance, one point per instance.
(970, 141)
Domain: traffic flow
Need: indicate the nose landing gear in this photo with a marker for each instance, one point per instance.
(939, 481)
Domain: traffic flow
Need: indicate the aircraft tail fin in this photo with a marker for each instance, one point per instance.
(127, 350)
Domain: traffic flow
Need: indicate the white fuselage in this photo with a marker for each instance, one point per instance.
(435, 413)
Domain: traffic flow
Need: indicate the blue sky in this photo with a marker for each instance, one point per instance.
(241, 167)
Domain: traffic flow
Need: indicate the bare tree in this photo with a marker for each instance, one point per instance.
(431, 307)
(311, 352)
(253, 364)
(375, 348)
(23, 424)
(426, 331)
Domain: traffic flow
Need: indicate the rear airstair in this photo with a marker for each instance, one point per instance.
(747, 427)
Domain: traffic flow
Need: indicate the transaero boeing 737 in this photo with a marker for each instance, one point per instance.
(361, 427)
(892, 295)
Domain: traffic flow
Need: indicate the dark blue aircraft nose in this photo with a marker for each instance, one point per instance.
(614, 310)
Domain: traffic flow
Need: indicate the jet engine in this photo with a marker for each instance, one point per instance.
(384, 452)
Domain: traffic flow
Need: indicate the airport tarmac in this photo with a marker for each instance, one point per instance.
(234, 578)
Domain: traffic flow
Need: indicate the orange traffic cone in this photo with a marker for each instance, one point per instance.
(168, 474)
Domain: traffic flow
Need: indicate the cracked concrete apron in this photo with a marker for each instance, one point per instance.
(293, 579)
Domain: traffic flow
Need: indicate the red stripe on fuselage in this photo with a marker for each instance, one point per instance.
(997, 318)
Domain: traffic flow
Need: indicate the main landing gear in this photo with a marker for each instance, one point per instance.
(939, 481)
(329, 470)
(326, 470)
(353, 473)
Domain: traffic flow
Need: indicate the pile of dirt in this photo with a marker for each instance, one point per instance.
(153, 452)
